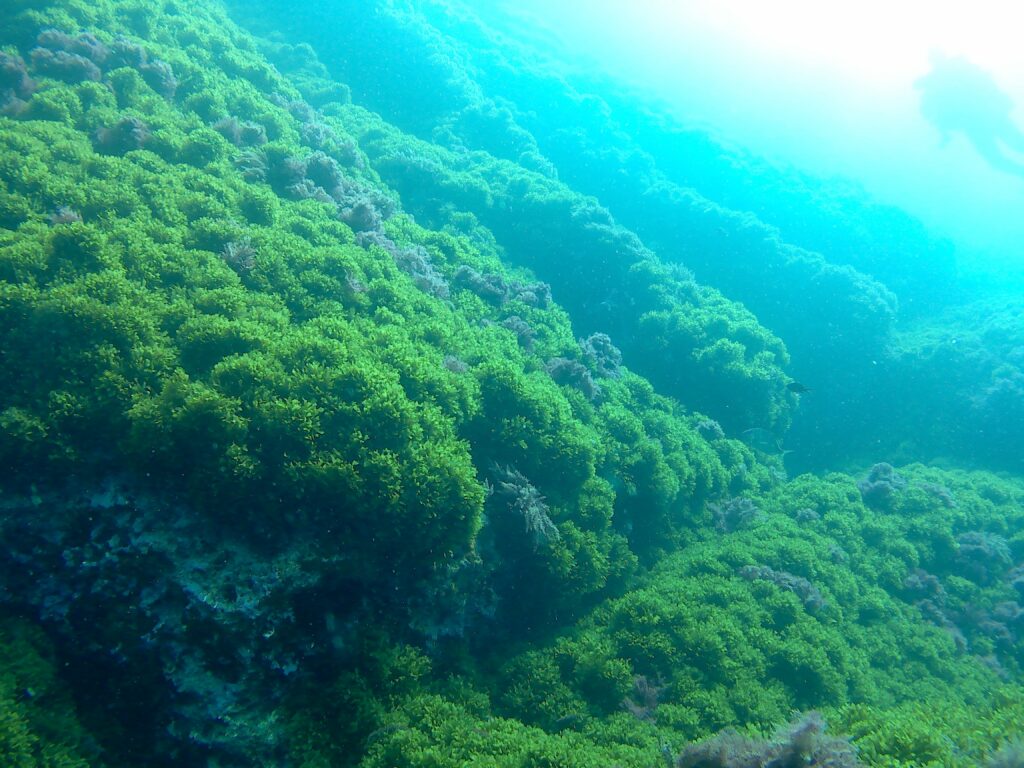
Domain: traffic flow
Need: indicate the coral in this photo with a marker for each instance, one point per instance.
(240, 255)
(306, 189)
(499, 291)
(837, 554)
(983, 556)
(413, 260)
(802, 743)
(573, 373)
(252, 164)
(809, 594)
(353, 285)
(923, 585)
(734, 513)
(241, 133)
(1009, 755)
(880, 486)
(454, 364)
(11, 105)
(362, 208)
(160, 77)
(127, 134)
(15, 84)
(1016, 580)
(806, 515)
(935, 611)
(126, 53)
(157, 74)
(64, 214)
(324, 171)
(644, 699)
(319, 177)
(362, 212)
(342, 147)
(536, 294)
(941, 492)
(84, 44)
(710, 429)
(297, 108)
(604, 356)
(489, 287)
(285, 171)
(525, 500)
(63, 65)
(14, 76)
(317, 135)
(524, 333)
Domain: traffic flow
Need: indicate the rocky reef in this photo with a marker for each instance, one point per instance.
(341, 427)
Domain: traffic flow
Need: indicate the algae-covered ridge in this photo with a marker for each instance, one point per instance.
(344, 422)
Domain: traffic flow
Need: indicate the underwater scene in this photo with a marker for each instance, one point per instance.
(435, 383)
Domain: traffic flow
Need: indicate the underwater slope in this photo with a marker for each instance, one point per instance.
(602, 272)
(290, 477)
(227, 352)
(818, 263)
(459, 89)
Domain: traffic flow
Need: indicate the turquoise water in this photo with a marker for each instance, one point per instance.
(419, 384)
(880, 95)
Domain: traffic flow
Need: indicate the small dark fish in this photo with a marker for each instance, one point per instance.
(572, 720)
(764, 441)
(797, 388)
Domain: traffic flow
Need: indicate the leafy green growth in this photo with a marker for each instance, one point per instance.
(39, 727)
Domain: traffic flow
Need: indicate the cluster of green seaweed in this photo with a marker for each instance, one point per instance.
(687, 338)
(39, 727)
(708, 639)
(171, 317)
(504, 113)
